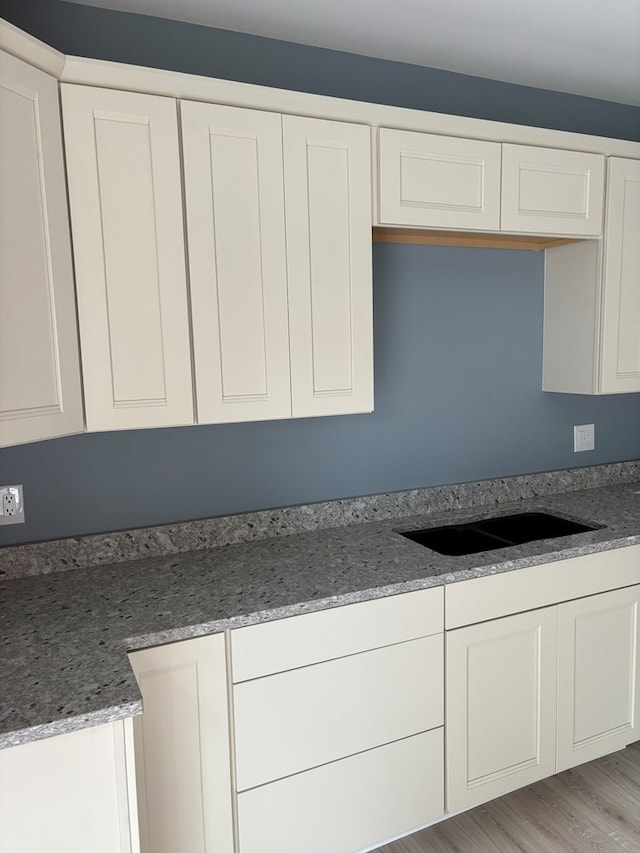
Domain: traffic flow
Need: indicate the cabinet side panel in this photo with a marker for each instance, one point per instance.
(621, 326)
(39, 364)
(126, 205)
(572, 282)
(182, 748)
(235, 216)
(328, 216)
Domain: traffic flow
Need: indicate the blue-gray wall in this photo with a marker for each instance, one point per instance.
(458, 332)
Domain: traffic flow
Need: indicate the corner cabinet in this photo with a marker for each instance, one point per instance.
(279, 239)
(123, 166)
(40, 395)
(592, 299)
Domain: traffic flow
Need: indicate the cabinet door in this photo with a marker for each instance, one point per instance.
(182, 748)
(71, 793)
(620, 351)
(501, 706)
(598, 676)
(123, 167)
(546, 191)
(237, 264)
(438, 181)
(39, 367)
(352, 804)
(328, 218)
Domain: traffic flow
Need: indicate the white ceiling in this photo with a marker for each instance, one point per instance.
(585, 47)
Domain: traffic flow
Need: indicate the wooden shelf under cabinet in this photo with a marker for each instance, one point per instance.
(468, 239)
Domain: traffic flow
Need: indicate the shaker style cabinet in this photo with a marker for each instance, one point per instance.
(438, 181)
(278, 229)
(592, 299)
(473, 185)
(123, 166)
(549, 191)
(40, 395)
(182, 748)
(501, 706)
(234, 196)
(598, 676)
(70, 793)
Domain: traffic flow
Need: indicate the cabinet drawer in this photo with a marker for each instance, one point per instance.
(438, 181)
(537, 586)
(300, 719)
(552, 192)
(350, 804)
(312, 637)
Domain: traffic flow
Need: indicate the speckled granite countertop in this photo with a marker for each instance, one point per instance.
(63, 664)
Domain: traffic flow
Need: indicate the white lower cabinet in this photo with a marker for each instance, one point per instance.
(501, 706)
(182, 748)
(598, 676)
(348, 805)
(72, 793)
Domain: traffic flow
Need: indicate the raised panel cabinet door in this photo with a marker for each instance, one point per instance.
(354, 804)
(500, 706)
(123, 166)
(327, 175)
(71, 793)
(620, 350)
(40, 395)
(598, 675)
(438, 181)
(234, 197)
(182, 747)
(548, 191)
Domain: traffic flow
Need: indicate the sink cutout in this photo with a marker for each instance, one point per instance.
(489, 534)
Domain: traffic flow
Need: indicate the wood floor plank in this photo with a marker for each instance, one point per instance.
(593, 808)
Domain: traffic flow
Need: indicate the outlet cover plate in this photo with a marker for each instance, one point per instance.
(11, 505)
(584, 437)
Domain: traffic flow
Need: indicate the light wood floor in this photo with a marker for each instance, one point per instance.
(594, 808)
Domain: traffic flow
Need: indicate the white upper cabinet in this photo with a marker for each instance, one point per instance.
(123, 167)
(327, 171)
(438, 181)
(40, 393)
(592, 299)
(548, 191)
(237, 264)
(620, 354)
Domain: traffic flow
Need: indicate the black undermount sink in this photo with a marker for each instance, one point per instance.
(491, 533)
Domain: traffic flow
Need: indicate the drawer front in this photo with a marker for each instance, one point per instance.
(301, 640)
(552, 192)
(538, 586)
(438, 181)
(350, 804)
(300, 719)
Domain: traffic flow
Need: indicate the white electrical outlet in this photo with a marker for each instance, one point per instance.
(584, 437)
(11, 505)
